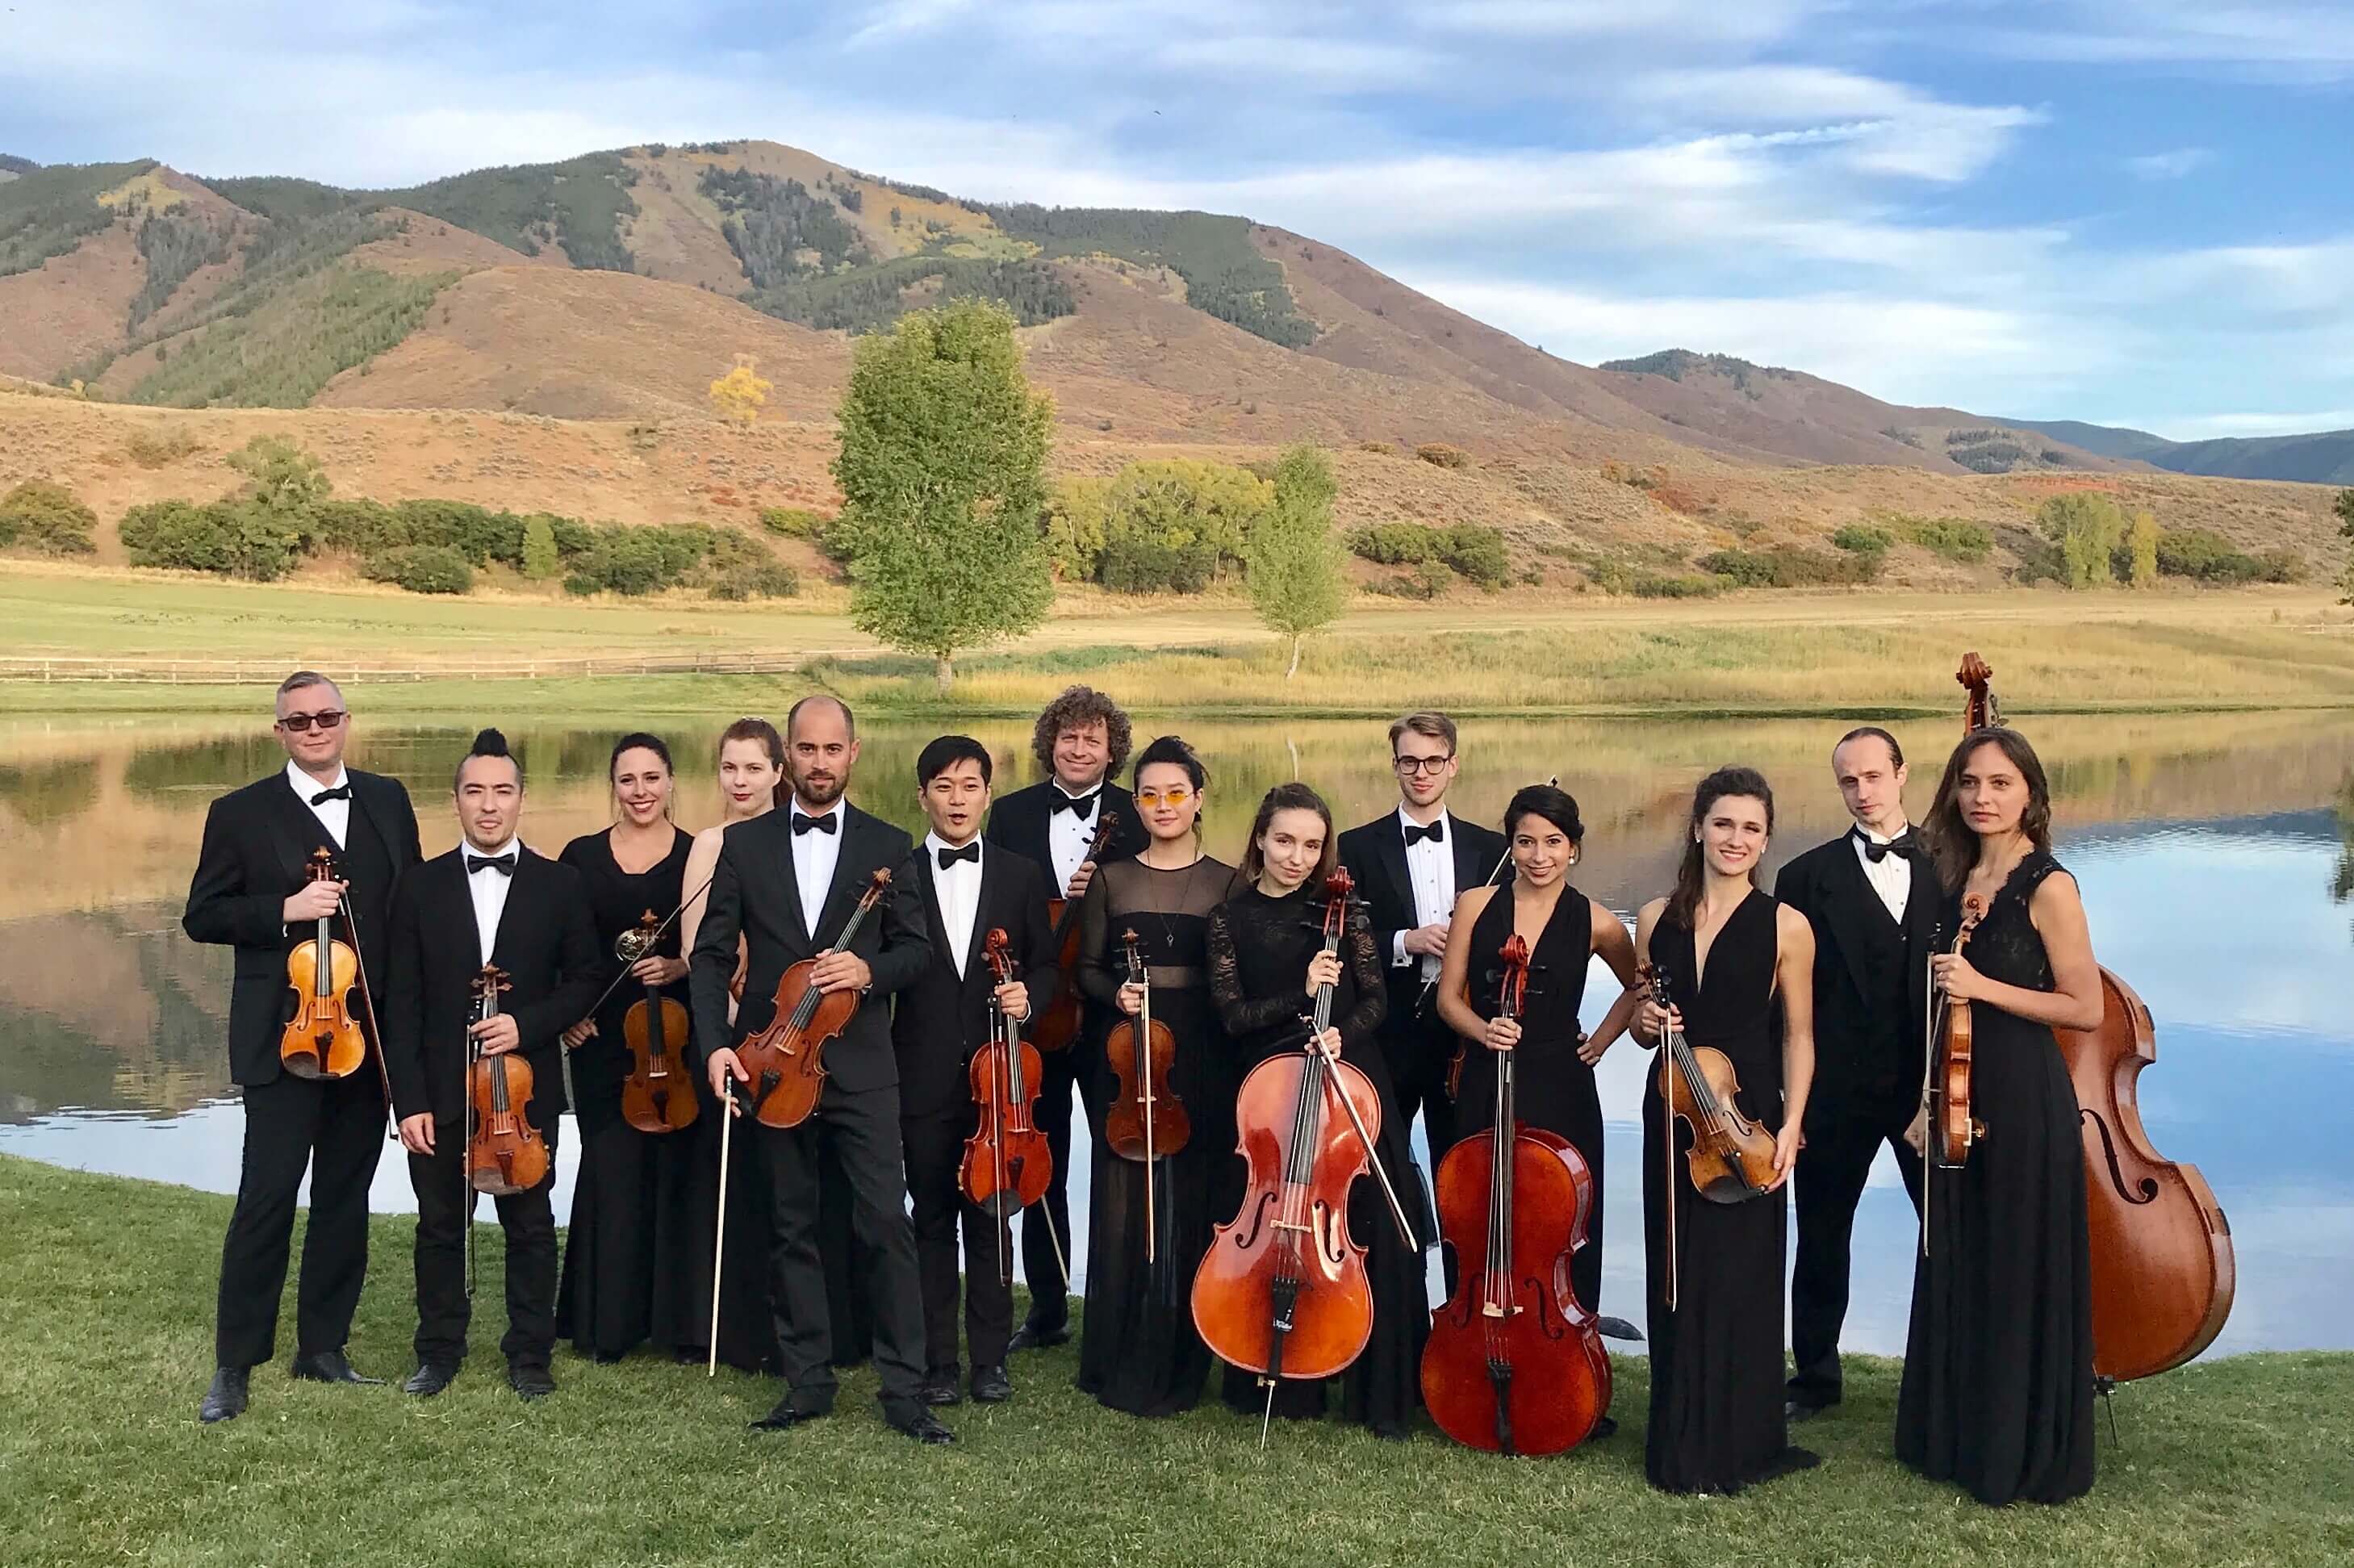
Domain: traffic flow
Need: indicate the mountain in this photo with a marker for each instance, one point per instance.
(2324, 457)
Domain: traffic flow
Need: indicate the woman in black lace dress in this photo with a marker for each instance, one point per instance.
(1998, 1392)
(1732, 958)
(1267, 962)
(1138, 1349)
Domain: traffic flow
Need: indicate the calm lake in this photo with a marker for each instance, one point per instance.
(2215, 853)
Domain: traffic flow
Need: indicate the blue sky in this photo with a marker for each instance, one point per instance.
(2136, 213)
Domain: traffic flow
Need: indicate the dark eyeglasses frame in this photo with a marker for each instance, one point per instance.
(295, 724)
(1420, 763)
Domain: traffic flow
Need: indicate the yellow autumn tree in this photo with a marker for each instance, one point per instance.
(739, 395)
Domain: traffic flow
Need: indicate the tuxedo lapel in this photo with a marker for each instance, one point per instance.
(1849, 901)
(930, 882)
(295, 831)
(1389, 854)
(515, 914)
(978, 937)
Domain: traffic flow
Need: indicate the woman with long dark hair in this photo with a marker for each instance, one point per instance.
(1266, 963)
(630, 1247)
(1553, 1058)
(1740, 971)
(1998, 1390)
(1138, 1348)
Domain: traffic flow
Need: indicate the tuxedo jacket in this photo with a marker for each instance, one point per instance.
(1374, 853)
(1019, 822)
(1871, 980)
(546, 944)
(940, 1020)
(753, 894)
(257, 843)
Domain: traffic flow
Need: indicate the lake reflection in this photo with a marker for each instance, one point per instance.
(2209, 853)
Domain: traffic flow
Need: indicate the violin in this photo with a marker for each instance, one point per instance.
(1007, 1156)
(1514, 1364)
(786, 1060)
(1953, 1128)
(505, 1153)
(1283, 1291)
(1731, 1157)
(659, 1094)
(1054, 1028)
(1145, 1120)
(323, 1040)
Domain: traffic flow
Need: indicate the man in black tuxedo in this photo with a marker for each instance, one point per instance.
(1872, 897)
(251, 891)
(936, 1026)
(1409, 865)
(490, 901)
(787, 882)
(1081, 740)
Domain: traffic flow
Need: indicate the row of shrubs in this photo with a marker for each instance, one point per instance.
(1469, 550)
(46, 519)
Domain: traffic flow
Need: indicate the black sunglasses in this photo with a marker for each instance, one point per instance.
(298, 723)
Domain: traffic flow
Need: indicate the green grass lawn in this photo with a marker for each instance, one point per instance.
(107, 1294)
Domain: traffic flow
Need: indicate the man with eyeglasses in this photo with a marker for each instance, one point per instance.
(1409, 864)
(252, 890)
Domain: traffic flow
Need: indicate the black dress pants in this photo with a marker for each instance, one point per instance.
(1050, 1290)
(336, 1129)
(935, 1153)
(856, 1135)
(1841, 1143)
(443, 1207)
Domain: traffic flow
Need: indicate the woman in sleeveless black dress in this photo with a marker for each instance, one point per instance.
(1262, 944)
(1553, 1086)
(1138, 1352)
(1998, 1390)
(1731, 957)
(628, 1247)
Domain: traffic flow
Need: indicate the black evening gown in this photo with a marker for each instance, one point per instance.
(630, 1249)
(1998, 1391)
(1716, 1419)
(1259, 948)
(1552, 1088)
(1138, 1349)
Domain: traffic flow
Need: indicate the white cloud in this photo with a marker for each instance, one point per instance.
(2208, 426)
(2173, 165)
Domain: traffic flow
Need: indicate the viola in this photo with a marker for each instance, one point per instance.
(1514, 1364)
(323, 1040)
(505, 1153)
(1007, 1161)
(1731, 1160)
(658, 1095)
(1145, 1120)
(1954, 1127)
(787, 1059)
(1058, 1024)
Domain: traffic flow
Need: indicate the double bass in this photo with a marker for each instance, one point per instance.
(1057, 1024)
(323, 1040)
(1144, 1121)
(1007, 1161)
(1514, 1364)
(786, 1061)
(658, 1095)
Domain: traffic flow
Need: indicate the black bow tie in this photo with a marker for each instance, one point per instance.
(803, 824)
(1435, 833)
(340, 792)
(1080, 806)
(949, 857)
(503, 864)
(1875, 852)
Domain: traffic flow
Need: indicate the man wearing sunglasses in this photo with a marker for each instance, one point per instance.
(252, 892)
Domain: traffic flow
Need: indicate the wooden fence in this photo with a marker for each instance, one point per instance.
(254, 672)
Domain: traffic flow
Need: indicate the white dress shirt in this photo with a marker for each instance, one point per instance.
(489, 892)
(335, 816)
(815, 854)
(1069, 834)
(957, 888)
(1892, 878)
(1430, 867)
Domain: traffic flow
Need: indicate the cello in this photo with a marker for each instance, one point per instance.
(786, 1061)
(1058, 1024)
(1282, 1290)
(1145, 1120)
(323, 1040)
(1006, 1156)
(1514, 1364)
(658, 1095)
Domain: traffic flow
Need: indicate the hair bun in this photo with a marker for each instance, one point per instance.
(489, 743)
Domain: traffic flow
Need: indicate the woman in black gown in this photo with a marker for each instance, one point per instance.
(1731, 957)
(629, 1250)
(1267, 961)
(1138, 1348)
(1998, 1391)
(1554, 1084)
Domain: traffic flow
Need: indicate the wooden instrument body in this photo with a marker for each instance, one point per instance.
(1006, 1151)
(1735, 1162)
(1557, 1383)
(786, 1060)
(323, 1040)
(1953, 1125)
(2163, 1270)
(1259, 1257)
(507, 1154)
(1058, 1024)
(658, 1096)
(1124, 1118)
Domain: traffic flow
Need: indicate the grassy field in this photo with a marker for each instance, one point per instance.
(108, 1295)
(1771, 654)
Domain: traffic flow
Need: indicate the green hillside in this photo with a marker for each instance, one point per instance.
(46, 212)
(1225, 276)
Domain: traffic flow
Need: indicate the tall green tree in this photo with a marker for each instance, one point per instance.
(1298, 581)
(943, 474)
(2143, 539)
(2087, 528)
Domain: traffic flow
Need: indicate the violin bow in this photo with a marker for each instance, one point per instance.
(719, 1227)
(368, 1000)
(1422, 998)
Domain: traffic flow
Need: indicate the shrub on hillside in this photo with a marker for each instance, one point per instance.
(1786, 567)
(772, 580)
(1427, 581)
(1438, 454)
(421, 568)
(234, 538)
(2206, 556)
(47, 518)
(1477, 552)
(1862, 538)
(159, 449)
(1394, 544)
(1955, 538)
(635, 561)
(792, 521)
(1136, 563)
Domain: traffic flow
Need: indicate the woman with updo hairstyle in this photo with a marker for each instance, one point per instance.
(1553, 1058)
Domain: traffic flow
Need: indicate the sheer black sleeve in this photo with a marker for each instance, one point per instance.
(1373, 999)
(1098, 981)
(1243, 1014)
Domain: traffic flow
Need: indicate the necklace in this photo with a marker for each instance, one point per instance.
(1185, 892)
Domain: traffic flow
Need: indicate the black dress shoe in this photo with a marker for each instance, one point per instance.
(786, 1416)
(990, 1385)
(925, 1427)
(224, 1400)
(1618, 1328)
(531, 1382)
(1605, 1428)
(1031, 1337)
(329, 1366)
(430, 1378)
(939, 1390)
(1802, 1410)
